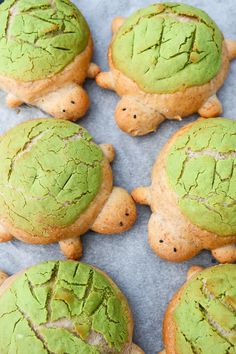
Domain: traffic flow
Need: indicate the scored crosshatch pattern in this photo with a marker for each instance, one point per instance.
(30, 35)
(165, 48)
(148, 282)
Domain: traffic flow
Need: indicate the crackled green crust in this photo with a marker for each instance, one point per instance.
(168, 47)
(86, 302)
(39, 38)
(50, 173)
(201, 169)
(205, 317)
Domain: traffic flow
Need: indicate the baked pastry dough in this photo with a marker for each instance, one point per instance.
(64, 307)
(193, 193)
(167, 61)
(201, 318)
(46, 49)
(56, 184)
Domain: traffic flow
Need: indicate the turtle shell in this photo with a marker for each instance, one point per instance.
(50, 173)
(64, 307)
(39, 38)
(168, 47)
(205, 317)
(201, 169)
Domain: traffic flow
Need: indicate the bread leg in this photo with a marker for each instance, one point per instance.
(72, 248)
(226, 254)
(211, 108)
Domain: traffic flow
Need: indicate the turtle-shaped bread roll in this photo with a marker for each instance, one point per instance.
(167, 61)
(64, 307)
(56, 184)
(193, 193)
(46, 49)
(201, 318)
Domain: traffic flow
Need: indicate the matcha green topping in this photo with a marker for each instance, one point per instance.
(205, 317)
(63, 307)
(50, 173)
(168, 47)
(201, 168)
(39, 38)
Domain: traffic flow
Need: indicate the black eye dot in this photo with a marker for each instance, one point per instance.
(126, 214)
(134, 116)
(124, 109)
(73, 102)
(121, 223)
(63, 110)
(175, 250)
(161, 241)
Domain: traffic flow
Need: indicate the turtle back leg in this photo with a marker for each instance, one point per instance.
(211, 108)
(135, 117)
(226, 254)
(72, 248)
(69, 102)
(117, 215)
(12, 101)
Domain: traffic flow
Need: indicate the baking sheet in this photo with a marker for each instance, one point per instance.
(147, 281)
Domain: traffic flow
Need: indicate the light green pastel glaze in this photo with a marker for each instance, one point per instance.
(39, 38)
(201, 168)
(205, 317)
(50, 173)
(168, 47)
(57, 307)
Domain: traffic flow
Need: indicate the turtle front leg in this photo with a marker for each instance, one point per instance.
(93, 71)
(5, 236)
(142, 195)
(211, 108)
(3, 277)
(109, 151)
(117, 23)
(137, 118)
(169, 241)
(105, 80)
(72, 248)
(136, 350)
(117, 215)
(231, 46)
(69, 102)
(226, 254)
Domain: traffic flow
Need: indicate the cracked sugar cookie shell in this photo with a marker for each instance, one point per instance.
(51, 172)
(46, 49)
(38, 40)
(200, 167)
(167, 61)
(168, 47)
(64, 306)
(201, 316)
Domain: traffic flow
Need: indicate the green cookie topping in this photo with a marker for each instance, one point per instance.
(63, 307)
(39, 38)
(50, 173)
(201, 168)
(168, 47)
(205, 318)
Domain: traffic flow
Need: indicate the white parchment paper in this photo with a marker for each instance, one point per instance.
(147, 281)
